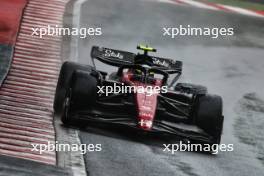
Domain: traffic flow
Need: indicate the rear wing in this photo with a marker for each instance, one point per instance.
(119, 58)
(112, 57)
(168, 65)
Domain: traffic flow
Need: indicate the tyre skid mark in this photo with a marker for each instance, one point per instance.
(249, 123)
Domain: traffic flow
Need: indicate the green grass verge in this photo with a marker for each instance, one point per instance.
(239, 3)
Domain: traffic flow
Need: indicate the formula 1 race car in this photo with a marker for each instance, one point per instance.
(139, 95)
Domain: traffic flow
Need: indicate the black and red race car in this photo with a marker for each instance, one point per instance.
(162, 105)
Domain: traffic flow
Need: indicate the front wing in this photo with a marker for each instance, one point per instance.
(163, 127)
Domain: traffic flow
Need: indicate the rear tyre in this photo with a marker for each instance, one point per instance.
(209, 116)
(63, 84)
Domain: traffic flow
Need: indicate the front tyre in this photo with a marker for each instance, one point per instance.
(81, 94)
(84, 89)
(65, 117)
(65, 77)
(209, 116)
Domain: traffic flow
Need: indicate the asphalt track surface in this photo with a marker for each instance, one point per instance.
(231, 67)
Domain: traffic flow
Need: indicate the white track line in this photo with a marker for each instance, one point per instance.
(198, 4)
(74, 54)
(218, 7)
(241, 11)
(169, 1)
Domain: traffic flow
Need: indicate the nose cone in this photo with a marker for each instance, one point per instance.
(145, 121)
(146, 107)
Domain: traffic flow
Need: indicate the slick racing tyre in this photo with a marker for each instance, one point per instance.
(191, 88)
(63, 84)
(209, 115)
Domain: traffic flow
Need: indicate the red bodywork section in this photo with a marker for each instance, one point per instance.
(145, 98)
